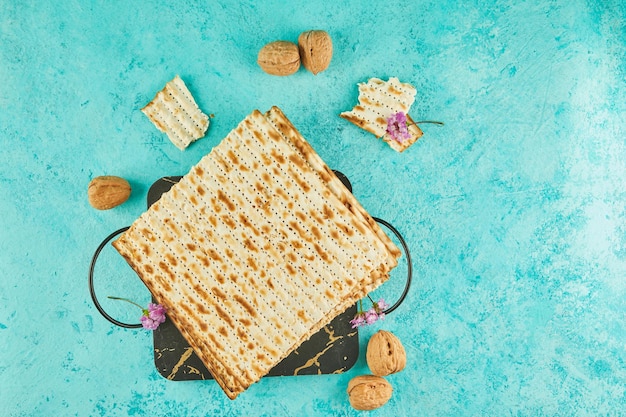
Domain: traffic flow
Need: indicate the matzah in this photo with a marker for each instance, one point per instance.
(378, 100)
(175, 113)
(257, 248)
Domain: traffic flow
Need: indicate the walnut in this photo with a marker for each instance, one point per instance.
(107, 191)
(385, 354)
(316, 50)
(368, 392)
(279, 58)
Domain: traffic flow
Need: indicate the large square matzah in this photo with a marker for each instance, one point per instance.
(257, 248)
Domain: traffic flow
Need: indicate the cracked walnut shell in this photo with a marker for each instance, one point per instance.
(385, 354)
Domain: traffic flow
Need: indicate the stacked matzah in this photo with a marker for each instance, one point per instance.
(257, 248)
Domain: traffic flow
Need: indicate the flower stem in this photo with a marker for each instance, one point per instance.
(429, 121)
(127, 300)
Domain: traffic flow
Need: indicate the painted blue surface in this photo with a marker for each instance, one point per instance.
(515, 210)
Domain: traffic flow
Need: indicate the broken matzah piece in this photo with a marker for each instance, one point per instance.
(256, 249)
(378, 101)
(175, 113)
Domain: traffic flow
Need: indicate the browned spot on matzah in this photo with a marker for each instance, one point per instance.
(381, 120)
(218, 293)
(224, 199)
(171, 259)
(301, 232)
(249, 245)
(223, 315)
(172, 226)
(252, 263)
(278, 157)
(146, 249)
(222, 330)
(359, 226)
(233, 158)
(328, 212)
(259, 136)
(166, 285)
(274, 135)
(220, 278)
(147, 233)
(296, 244)
(346, 229)
(281, 193)
(202, 308)
(357, 121)
(242, 335)
(214, 255)
(290, 269)
(167, 270)
(316, 232)
(193, 200)
(394, 91)
(246, 222)
(215, 342)
(267, 161)
(245, 322)
(321, 252)
(191, 247)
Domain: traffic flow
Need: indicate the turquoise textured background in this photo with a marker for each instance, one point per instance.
(515, 210)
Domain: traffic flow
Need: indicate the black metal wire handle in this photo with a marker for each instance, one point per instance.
(407, 253)
(138, 325)
(92, 289)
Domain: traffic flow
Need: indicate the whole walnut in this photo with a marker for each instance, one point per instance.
(368, 392)
(279, 58)
(316, 50)
(385, 354)
(107, 191)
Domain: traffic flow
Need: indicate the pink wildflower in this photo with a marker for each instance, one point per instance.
(397, 127)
